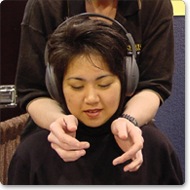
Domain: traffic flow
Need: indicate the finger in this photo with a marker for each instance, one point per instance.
(67, 142)
(61, 136)
(127, 155)
(135, 164)
(135, 134)
(122, 132)
(136, 139)
(71, 123)
(58, 133)
(119, 128)
(68, 156)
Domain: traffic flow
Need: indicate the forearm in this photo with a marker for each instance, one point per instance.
(44, 111)
(143, 106)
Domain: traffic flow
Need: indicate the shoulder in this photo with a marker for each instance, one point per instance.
(29, 157)
(34, 146)
(158, 9)
(157, 5)
(37, 136)
(159, 153)
(156, 143)
(45, 5)
(151, 133)
(42, 14)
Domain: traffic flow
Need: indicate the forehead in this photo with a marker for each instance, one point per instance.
(90, 62)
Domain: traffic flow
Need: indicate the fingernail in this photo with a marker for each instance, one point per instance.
(82, 153)
(87, 145)
(126, 169)
(115, 162)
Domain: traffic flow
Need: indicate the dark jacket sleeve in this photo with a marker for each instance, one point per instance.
(157, 55)
(40, 19)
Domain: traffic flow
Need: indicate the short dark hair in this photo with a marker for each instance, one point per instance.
(86, 36)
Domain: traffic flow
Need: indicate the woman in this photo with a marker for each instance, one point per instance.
(151, 25)
(90, 75)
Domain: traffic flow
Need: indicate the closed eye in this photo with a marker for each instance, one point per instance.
(104, 86)
(77, 87)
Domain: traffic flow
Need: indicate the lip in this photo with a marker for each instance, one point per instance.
(93, 113)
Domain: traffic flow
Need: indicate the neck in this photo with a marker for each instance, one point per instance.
(104, 7)
(102, 3)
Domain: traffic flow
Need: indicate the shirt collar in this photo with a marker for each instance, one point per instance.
(125, 7)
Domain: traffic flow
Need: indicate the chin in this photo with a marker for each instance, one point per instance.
(93, 123)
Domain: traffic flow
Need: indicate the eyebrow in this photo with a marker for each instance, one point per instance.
(81, 79)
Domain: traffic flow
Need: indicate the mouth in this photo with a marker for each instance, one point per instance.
(93, 112)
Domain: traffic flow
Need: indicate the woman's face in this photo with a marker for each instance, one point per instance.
(91, 91)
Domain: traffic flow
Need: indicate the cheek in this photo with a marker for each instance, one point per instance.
(69, 98)
(113, 97)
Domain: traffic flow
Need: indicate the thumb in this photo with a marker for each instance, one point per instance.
(119, 128)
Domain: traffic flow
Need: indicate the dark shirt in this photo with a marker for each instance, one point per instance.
(149, 22)
(35, 162)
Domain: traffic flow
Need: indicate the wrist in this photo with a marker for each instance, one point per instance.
(130, 118)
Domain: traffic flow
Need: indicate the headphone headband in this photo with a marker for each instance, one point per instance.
(128, 35)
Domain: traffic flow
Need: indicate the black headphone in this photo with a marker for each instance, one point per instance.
(132, 71)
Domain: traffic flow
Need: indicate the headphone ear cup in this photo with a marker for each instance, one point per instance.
(132, 75)
(51, 84)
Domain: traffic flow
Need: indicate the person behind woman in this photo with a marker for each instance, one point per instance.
(87, 57)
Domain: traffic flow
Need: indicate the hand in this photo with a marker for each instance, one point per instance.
(130, 140)
(62, 137)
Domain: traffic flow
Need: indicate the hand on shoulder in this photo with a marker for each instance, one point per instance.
(129, 139)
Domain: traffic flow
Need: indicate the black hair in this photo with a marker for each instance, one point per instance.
(86, 36)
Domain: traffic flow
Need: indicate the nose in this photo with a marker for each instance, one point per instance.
(91, 96)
